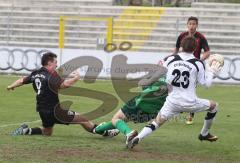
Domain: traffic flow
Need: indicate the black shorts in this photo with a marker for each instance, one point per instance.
(59, 116)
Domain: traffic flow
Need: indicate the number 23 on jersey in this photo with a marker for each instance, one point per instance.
(181, 79)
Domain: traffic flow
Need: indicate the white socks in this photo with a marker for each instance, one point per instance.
(206, 126)
(208, 121)
(147, 130)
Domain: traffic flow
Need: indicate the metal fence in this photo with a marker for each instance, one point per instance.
(155, 3)
(9, 28)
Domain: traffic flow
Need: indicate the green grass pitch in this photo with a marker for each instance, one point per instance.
(173, 142)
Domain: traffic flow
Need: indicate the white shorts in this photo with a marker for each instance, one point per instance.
(169, 109)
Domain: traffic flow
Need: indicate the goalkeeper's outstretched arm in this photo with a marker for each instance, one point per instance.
(151, 78)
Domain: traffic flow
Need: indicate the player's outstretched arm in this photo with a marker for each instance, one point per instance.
(15, 84)
(149, 79)
(75, 76)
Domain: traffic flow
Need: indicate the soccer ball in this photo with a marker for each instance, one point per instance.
(216, 58)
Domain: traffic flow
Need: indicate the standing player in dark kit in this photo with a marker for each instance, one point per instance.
(46, 83)
(202, 43)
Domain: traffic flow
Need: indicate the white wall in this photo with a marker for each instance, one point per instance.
(106, 59)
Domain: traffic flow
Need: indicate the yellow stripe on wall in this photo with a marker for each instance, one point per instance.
(135, 24)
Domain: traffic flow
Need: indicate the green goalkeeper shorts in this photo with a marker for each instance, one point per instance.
(136, 115)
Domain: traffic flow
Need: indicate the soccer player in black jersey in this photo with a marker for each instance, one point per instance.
(46, 83)
(202, 43)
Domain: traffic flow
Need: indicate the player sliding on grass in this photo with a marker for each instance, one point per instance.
(141, 108)
(184, 72)
(46, 83)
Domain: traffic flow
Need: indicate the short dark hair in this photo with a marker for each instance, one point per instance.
(48, 56)
(188, 44)
(193, 18)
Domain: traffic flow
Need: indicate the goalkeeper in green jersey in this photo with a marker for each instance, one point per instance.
(141, 108)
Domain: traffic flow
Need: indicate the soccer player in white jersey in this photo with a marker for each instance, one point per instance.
(184, 72)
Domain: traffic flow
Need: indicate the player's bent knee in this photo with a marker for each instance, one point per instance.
(213, 107)
(119, 115)
(47, 131)
(114, 121)
(160, 119)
